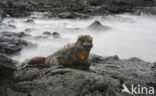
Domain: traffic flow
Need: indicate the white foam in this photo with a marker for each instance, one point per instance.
(130, 36)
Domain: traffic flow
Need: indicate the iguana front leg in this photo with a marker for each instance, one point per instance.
(64, 61)
(52, 61)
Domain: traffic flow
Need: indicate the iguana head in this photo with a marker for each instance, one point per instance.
(83, 46)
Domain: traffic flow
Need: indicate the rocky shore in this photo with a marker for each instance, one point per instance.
(74, 8)
(12, 42)
(106, 75)
(105, 78)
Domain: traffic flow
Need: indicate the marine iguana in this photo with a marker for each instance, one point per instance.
(72, 56)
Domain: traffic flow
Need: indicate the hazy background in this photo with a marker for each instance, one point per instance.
(130, 36)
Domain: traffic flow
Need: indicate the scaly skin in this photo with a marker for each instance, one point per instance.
(34, 62)
(72, 56)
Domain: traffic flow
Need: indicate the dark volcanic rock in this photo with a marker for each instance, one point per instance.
(71, 15)
(70, 82)
(149, 10)
(97, 26)
(154, 65)
(121, 69)
(105, 78)
(7, 66)
(66, 8)
(81, 15)
(16, 12)
(13, 34)
(56, 34)
(155, 73)
(29, 30)
(47, 33)
(25, 74)
(115, 57)
(97, 59)
(11, 42)
(121, 6)
(66, 15)
(12, 26)
(41, 37)
(2, 15)
(13, 9)
(101, 10)
(30, 21)
(7, 26)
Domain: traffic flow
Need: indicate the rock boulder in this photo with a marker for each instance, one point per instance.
(11, 42)
(97, 26)
(105, 78)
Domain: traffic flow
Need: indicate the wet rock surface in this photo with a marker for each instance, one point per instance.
(149, 10)
(154, 65)
(54, 34)
(71, 15)
(7, 67)
(47, 33)
(11, 42)
(71, 8)
(67, 15)
(14, 9)
(105, 78)
(13, 34)
(29, 20)
(27, 30)
(97, 26)
(7, 26)
(106, 74)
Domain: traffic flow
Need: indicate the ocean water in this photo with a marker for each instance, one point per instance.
(129, 36)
